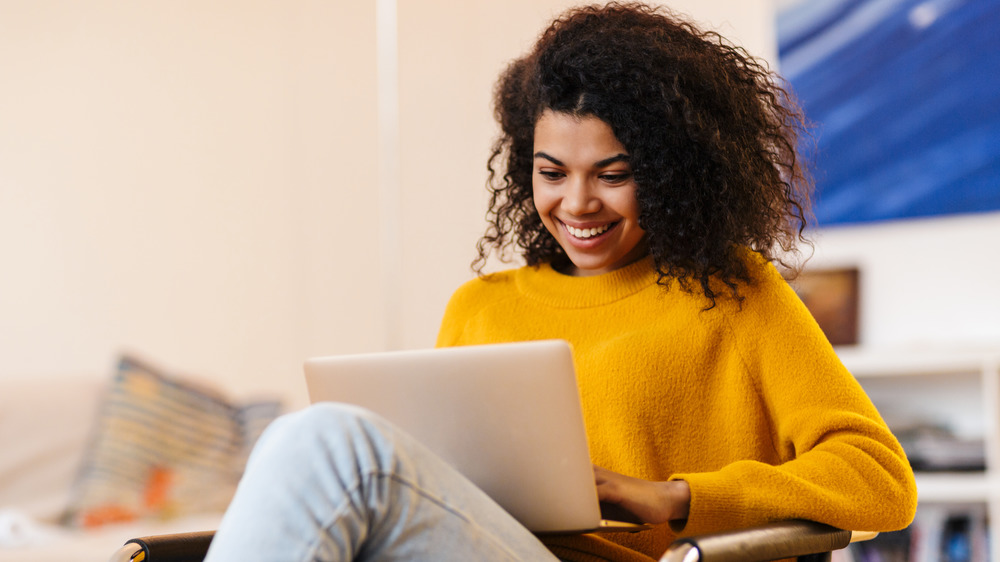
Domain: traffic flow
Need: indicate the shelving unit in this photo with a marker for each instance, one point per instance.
(959, 391)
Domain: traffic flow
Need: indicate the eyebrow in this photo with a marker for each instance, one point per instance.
(598, 164)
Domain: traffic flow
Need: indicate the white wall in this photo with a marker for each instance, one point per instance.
(924, 284)
(199, 181)
(190, 180)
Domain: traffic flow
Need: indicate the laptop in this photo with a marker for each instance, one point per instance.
(507, 416)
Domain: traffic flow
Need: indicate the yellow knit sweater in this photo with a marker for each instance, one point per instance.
(749, 405)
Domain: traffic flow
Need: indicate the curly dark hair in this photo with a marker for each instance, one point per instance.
(710, 132)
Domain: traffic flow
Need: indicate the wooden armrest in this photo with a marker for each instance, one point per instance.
(774, 541)
(181, 547)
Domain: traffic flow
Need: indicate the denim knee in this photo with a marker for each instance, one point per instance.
(324, 415)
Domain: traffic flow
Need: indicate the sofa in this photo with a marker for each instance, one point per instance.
(87, 462)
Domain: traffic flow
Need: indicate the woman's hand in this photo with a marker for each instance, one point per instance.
(653, 502)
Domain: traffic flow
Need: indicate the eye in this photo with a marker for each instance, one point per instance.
(551, 175)
(615, 179)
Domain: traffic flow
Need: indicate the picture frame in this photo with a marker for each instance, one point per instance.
(832, 296)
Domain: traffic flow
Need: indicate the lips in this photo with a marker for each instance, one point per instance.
(587, 232)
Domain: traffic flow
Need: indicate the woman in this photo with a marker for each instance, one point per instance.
(646, 172)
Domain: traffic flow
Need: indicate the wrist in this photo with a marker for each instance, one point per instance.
(678, 495)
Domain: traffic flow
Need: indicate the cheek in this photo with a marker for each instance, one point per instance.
(628, 206)
(543, 205)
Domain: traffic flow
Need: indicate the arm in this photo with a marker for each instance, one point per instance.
(837, 462)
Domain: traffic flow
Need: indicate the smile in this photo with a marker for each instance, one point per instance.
(584, 233)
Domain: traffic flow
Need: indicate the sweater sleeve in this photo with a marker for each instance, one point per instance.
(842, 466)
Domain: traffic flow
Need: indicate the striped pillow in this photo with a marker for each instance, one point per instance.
(163, 447)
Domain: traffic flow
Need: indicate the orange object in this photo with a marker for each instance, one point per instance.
(105, 514)
(157, 492)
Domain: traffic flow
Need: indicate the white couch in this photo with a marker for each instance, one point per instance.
(46, 426)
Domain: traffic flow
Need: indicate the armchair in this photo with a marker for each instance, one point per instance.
(810, 542)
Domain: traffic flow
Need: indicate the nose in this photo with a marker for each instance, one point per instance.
(579, 198)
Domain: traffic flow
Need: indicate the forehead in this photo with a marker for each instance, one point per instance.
(585, 138)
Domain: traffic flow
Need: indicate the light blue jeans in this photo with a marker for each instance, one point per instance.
(336, 482)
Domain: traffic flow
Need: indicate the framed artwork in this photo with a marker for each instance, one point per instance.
(904, 96)
(831, 295)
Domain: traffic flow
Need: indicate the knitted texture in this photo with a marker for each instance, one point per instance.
(747, 402)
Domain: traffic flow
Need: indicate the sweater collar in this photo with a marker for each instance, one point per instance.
(566, 291)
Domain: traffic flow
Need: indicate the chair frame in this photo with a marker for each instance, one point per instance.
(806, 540)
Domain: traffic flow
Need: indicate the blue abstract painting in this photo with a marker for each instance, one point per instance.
(905, 97)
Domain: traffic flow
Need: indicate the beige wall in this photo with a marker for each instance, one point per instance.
(191, 180)
(200, 181)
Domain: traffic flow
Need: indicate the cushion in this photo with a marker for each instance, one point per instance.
(163, 447)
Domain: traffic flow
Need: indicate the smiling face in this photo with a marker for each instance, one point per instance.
(583, 190)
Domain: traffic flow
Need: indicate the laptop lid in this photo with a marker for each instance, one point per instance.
(507, 416)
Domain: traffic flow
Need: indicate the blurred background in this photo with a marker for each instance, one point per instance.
(230, 187)
(224, 188)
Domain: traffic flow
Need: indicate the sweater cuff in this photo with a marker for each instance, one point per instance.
(717, 504)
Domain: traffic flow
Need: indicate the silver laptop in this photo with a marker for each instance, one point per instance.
(507, 416)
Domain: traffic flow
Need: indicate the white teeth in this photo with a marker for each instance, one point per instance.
(587, 232)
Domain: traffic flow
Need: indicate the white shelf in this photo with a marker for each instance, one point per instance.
(954, 487)
(863, 363)
(958, 389)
